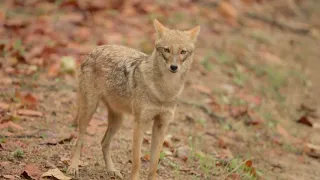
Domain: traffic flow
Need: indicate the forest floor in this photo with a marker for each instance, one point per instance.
(248, 111)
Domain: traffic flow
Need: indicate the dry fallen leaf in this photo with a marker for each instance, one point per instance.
(254, 119)
(305, 120)
(5, 163)
(54, 70)
(250, 99)
(4, 106)
(221, 143)
(55, 173)
(226, 154)
(36, 51)
(316, 125)
(249, 163)
(83, 33)
(31, 171)
(227, 10)
(250, 169)
(168, 142)
(167, 152)
(183, 152)
(146, 140)
(248, 2)
(202, 88)
(28, 112)
(146, 157)
(17, 22)
(59, 140)
(312, 150)
(271, 59)
(238, 111)
(10, 177)
(12, 125)
(283, 131)
(73, 17)
(27, 99)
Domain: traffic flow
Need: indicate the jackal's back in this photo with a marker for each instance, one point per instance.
(113, 70)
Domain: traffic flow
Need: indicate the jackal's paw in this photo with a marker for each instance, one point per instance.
(73, 170)
(115, 173)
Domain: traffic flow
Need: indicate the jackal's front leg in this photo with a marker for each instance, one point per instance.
(160, 125)
(136, 148)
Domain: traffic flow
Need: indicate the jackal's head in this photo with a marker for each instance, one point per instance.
(174, 49)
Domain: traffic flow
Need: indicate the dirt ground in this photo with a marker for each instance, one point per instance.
(252, 81)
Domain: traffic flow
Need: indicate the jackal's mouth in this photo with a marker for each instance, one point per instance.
(173, 71)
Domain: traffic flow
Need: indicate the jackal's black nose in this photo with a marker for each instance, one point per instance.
(173, 68)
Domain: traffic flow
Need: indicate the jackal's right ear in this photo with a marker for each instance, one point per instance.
(160, 29)
(193, 33)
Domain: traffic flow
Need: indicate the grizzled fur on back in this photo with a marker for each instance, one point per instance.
(124, 76)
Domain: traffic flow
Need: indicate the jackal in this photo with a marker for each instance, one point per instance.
(130, 82)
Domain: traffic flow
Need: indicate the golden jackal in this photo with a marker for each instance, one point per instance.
(131, 82)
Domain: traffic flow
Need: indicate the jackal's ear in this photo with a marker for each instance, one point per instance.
(160, 29)
(193, 33)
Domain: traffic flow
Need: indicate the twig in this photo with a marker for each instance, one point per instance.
(21, 136)
(278, 24)
(210, 3)
(204, 109)
(235, 169)
(293, 6)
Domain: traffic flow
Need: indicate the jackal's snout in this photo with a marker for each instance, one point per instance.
(173, 64)
(173, 68)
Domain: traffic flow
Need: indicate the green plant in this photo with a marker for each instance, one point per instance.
(207, 164)
(205, 62)
(18, 153)
(162, 156)
(238, 77)
(243, 168)
(276, 77)
(202, 121)
(290, 148)
(268, 117)
(261, 37)
(18, 46)
(224, 58)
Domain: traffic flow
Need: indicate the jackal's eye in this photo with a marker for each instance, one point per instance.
(183, 52)
(167, 50)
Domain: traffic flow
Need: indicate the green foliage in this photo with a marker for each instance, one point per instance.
(18, 153)
(236, 165)
(207, 165)
(162, 155)
(18, 46)
(224, 58)
(276, 77)
(261, 37)
(206, 62)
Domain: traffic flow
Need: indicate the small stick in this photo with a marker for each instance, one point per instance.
(278, 24)
(204, 109)
(235, 169)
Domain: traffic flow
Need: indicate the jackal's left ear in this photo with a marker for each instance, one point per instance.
(160, 29)
(193, 33)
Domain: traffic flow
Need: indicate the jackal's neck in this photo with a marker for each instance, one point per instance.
(167, 85)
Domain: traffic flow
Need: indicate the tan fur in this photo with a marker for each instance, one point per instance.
(130, 82)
